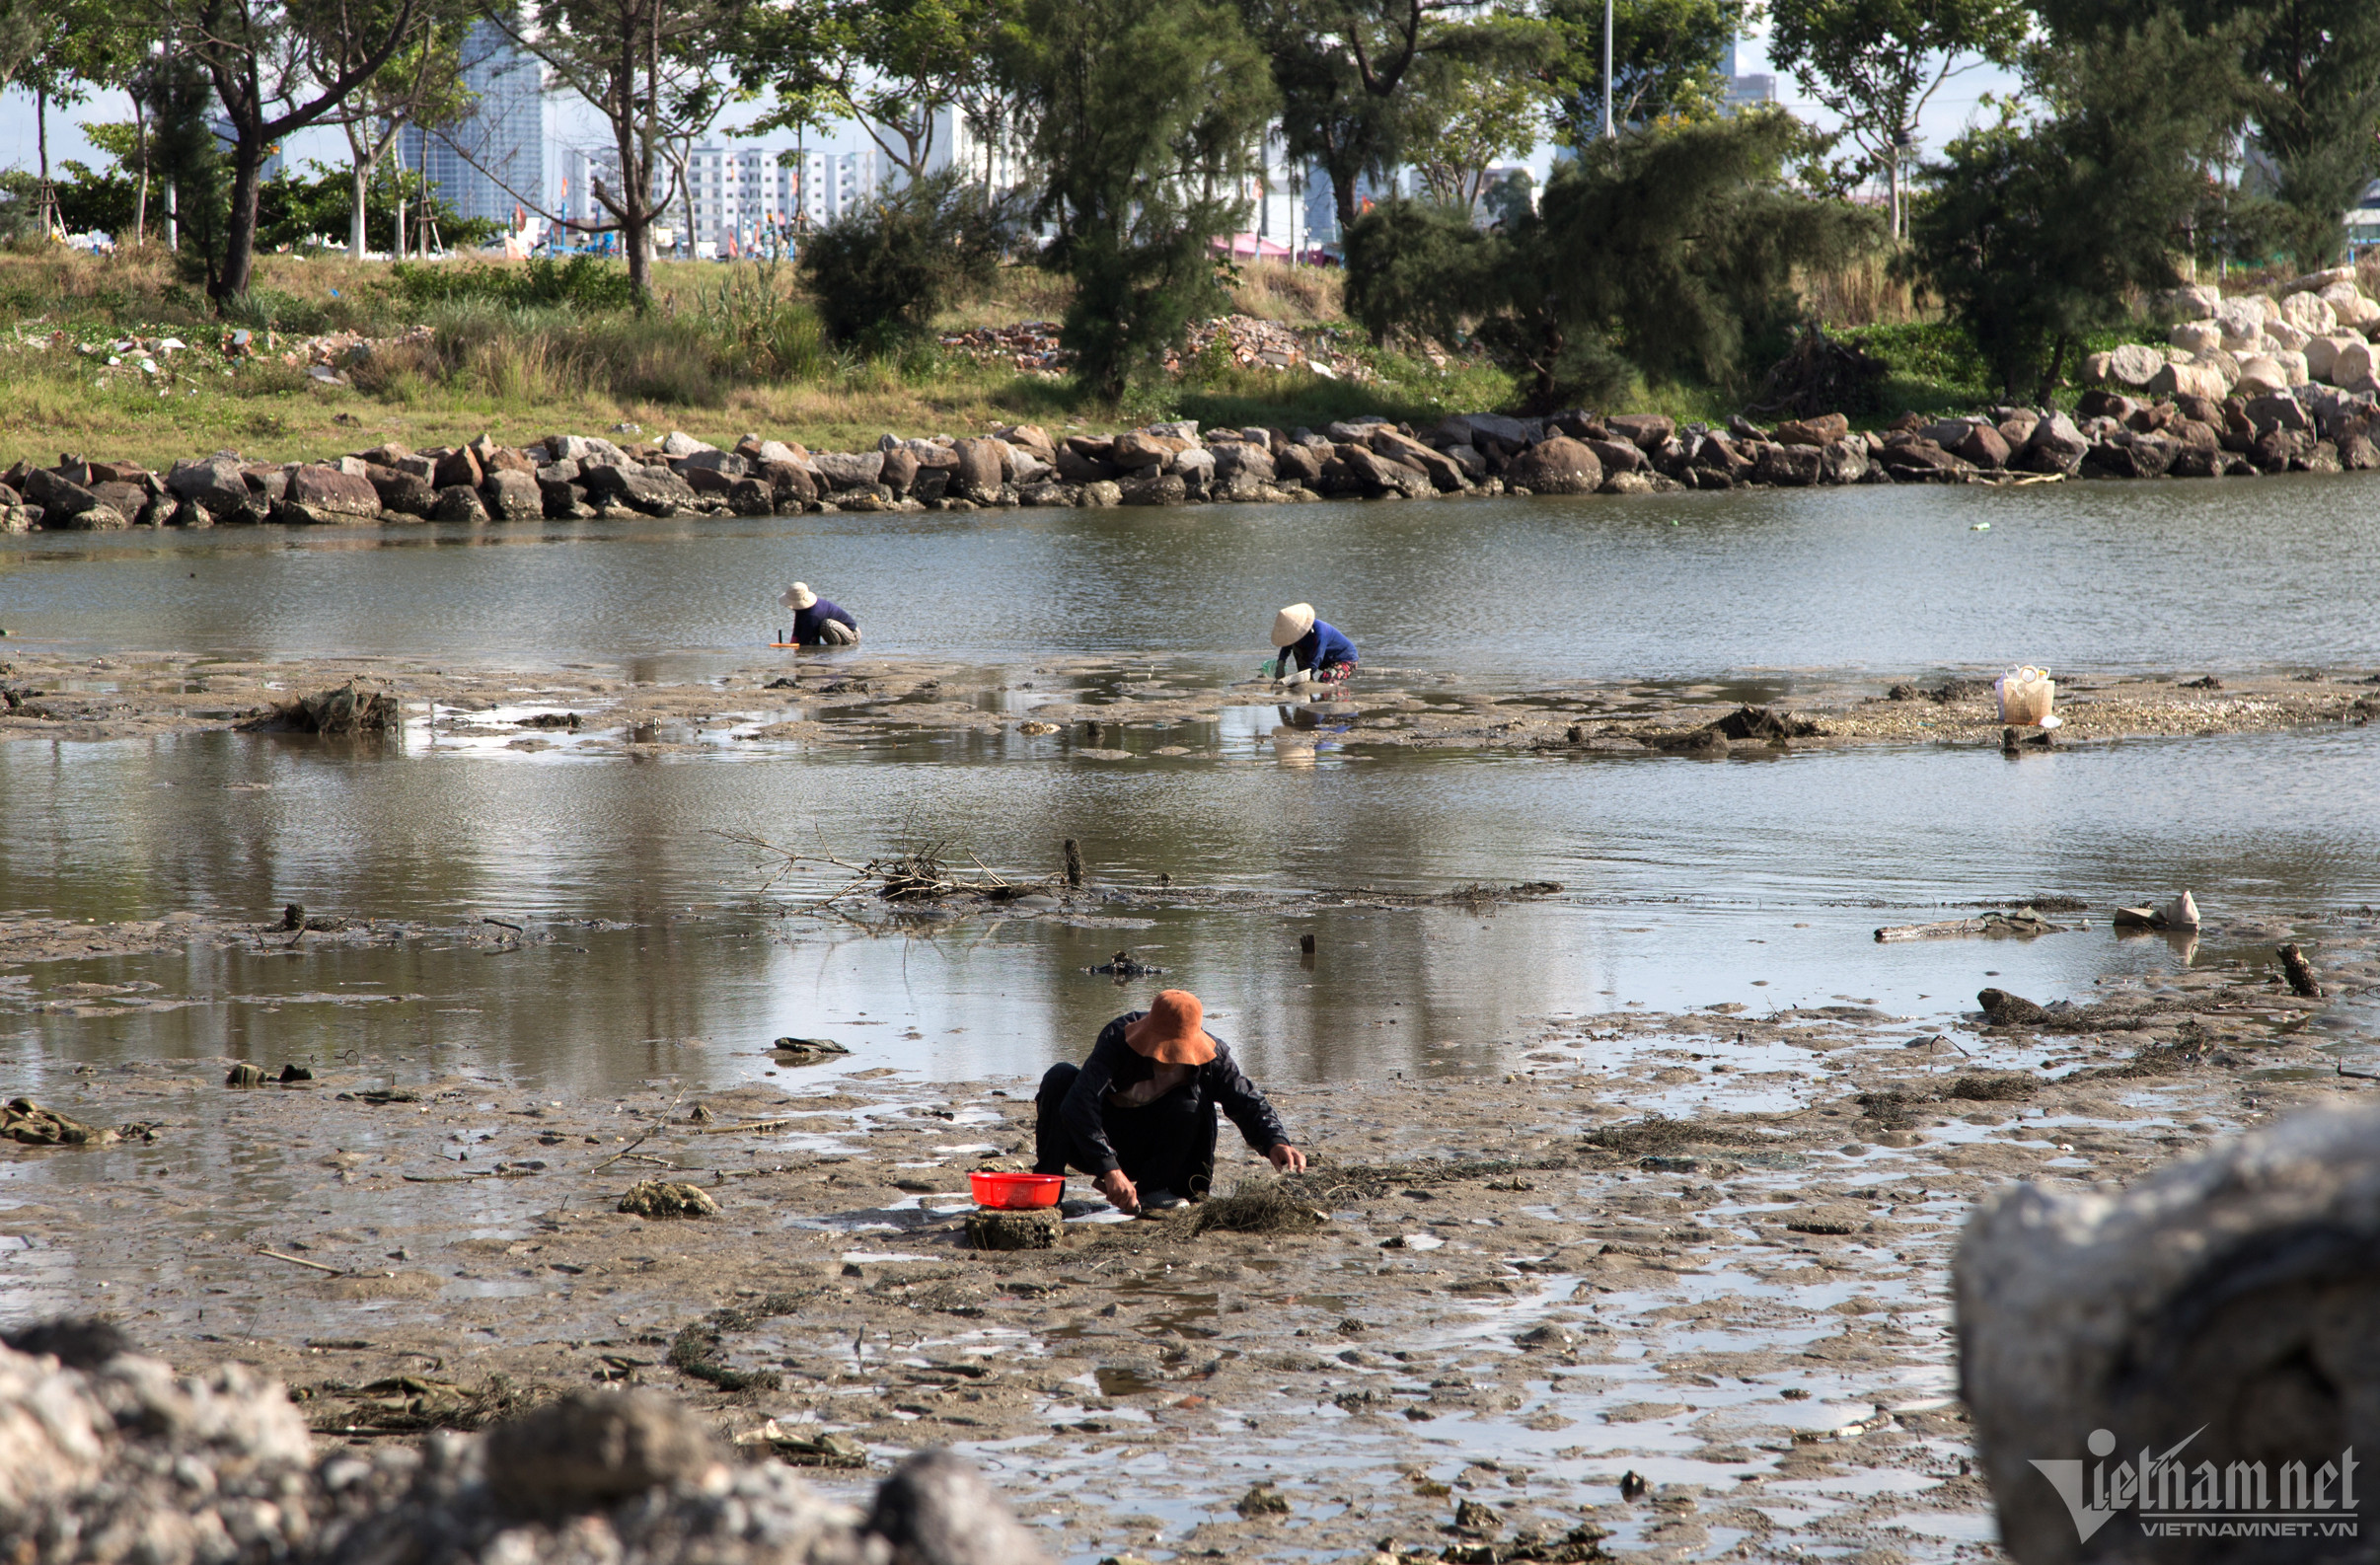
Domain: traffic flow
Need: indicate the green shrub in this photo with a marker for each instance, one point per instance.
(882, 272)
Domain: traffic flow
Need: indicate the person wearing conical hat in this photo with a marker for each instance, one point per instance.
(1138, 1115)
(816, 622)
(1311, 651)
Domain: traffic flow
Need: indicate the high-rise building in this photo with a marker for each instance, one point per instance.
(492, 164)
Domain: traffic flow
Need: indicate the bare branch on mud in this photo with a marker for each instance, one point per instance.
(917, 874)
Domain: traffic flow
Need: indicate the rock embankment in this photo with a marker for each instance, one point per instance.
(2312, 329)
(583, 477)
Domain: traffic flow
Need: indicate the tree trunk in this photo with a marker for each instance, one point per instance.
(140, 197)
(240, 237)
(51, 222)
(360, 182)
(635, 239)
(1893, 175)
(396, 238)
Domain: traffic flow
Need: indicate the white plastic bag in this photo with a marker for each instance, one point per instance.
(2025, 696)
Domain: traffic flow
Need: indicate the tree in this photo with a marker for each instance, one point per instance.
(2036, 235)
(1668, 62)
(187, 158)
(1877, 63)
(897, 67)
(883, 272)
(1342, 68)
(1662, 253)
(256, 54)
(421, 84)
(1467, 119)
(24, 26)
(2312, 78)
(646, 66)
(1144, 116)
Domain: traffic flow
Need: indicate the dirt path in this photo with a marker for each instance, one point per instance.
(1709, 1249)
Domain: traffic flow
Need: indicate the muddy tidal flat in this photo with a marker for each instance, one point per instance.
(1702, 1252)
(1110, 709)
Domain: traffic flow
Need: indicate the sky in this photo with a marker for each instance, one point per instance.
(1951, 110)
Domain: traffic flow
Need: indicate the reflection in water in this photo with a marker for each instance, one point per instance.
(1686, 885)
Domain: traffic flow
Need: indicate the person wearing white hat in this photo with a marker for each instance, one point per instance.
(816, 622)
(1311, 651)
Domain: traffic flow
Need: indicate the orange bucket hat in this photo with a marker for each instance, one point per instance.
(1173, 1032)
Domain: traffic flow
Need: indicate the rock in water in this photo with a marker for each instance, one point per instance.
(936, 1510)
(29, 1123)
(665, 1198)
(2221, 1311)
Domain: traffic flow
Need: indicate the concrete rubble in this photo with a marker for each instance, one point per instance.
(2220, 1312)
(108, 1455)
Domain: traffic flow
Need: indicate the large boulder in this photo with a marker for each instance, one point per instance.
(1237, 457)
(1138, 449)
(2321, 355)
(60, 497)
(325, 497)
(2196, 336)
(514, 496)
(2355, 366)
(2310, 313)
(2186, 380)
(1647, 431)
(1822, 430)
(213, 483)
(1984, 447)
(1558, 466)
(2348, 304)
(2135, 365)
(457, 467)
(848, 470)
(2200, 1342)
(653, 492)
(1793, 467)
(2192, 301)
(2260, 374)
(2279, 411)
(1442, 473)
(978, 469)
(2242, 321)
(1846, 460)
(1618, 456)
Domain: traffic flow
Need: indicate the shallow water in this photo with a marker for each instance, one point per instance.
(2237, 575)
(1753, 881)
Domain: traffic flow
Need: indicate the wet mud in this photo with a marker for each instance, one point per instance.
(1670, 1286)
(1100, 710)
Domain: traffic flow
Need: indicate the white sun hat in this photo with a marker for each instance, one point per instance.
(1291, 624)
(797, 596)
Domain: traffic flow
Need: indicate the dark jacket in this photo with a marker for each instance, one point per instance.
(807, 620)
(1319, 648)
(1114, 1064)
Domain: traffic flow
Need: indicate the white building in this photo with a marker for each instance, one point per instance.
(492, 163)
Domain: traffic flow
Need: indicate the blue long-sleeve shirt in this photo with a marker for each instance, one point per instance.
(1319, 648)
(807, 620)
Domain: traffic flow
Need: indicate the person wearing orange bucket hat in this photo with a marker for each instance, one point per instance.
(1138, 1115)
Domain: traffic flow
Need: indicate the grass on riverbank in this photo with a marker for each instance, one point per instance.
(721, 354)
(725, 350)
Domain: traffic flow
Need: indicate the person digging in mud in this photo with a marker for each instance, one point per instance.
(816, 622)
(1138, 1115)
(1311, 651)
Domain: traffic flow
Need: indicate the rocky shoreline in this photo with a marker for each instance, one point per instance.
(2306, 429)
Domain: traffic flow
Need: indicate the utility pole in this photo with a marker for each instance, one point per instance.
(1608, 132)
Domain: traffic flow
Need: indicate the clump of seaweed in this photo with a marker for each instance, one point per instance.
(1258, 1206)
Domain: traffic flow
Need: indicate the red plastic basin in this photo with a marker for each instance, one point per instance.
(1015, 1190)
